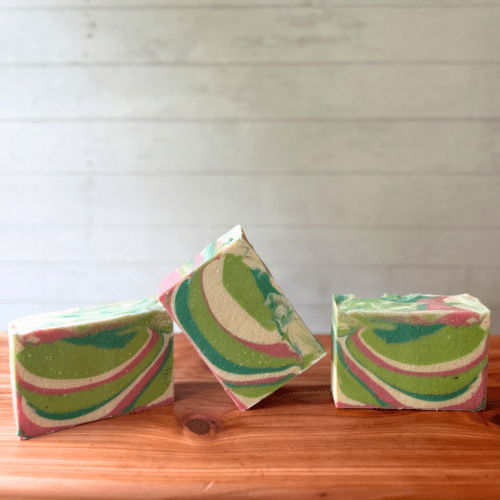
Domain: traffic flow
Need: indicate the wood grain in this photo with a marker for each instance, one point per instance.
(294, 443)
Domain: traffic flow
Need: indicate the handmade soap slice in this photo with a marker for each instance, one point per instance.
(90, 363)
(417, 351)
(238, 319)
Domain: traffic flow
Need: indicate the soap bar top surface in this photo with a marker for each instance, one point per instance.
(414, 304)
(236, 316)
(85, 364)
(413, 351)
(82, 316)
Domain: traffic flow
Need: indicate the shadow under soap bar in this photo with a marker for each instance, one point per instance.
(417, 351)
(237, 318)
(90, 363)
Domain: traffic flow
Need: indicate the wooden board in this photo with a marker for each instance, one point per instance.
(295, 444)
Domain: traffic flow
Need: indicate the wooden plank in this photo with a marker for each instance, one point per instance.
(458, 201)
(260, 36)
(325, 246)
(162, 453)
(303, 147)
(242, 92)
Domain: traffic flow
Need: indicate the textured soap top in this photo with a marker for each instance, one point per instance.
(84, 315)
(414, 304)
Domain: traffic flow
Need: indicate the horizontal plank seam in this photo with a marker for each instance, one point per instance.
(304, 226)
(120, 64)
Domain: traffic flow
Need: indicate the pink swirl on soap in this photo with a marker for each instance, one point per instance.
(118, 405)
(126, 367)
(171, 280)
(278, 349)
(143, 380)
(456, 318)
(372, 356)
(462, 319)
(358, 372)
(27, 427)
(457, 315)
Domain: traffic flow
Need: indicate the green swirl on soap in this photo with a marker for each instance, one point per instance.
(90, 399)
(217, 346)
(351, 386)
(87, 364)
(417, 384)
(420, 350)
(242, 324)
(83, 357)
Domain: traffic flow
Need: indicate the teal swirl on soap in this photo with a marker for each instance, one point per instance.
(91, 363)
(239, 321)
(415, 351)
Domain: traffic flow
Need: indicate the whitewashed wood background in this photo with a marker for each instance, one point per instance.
(357, 143)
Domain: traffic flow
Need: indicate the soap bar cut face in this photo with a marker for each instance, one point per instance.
(90, 363)
(416, 351)
(238, 319)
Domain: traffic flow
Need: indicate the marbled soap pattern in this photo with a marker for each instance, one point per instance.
(416, 351)
(238, 320)
(90, 363)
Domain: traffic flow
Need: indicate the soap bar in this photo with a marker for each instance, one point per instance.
(237, 318)
(424, 352)
(89, 363)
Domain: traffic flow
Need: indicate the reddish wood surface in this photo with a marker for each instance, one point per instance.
(294, 444)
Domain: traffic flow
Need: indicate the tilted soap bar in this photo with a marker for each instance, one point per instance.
(417, 351)
(90, 363)
(238, 320)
